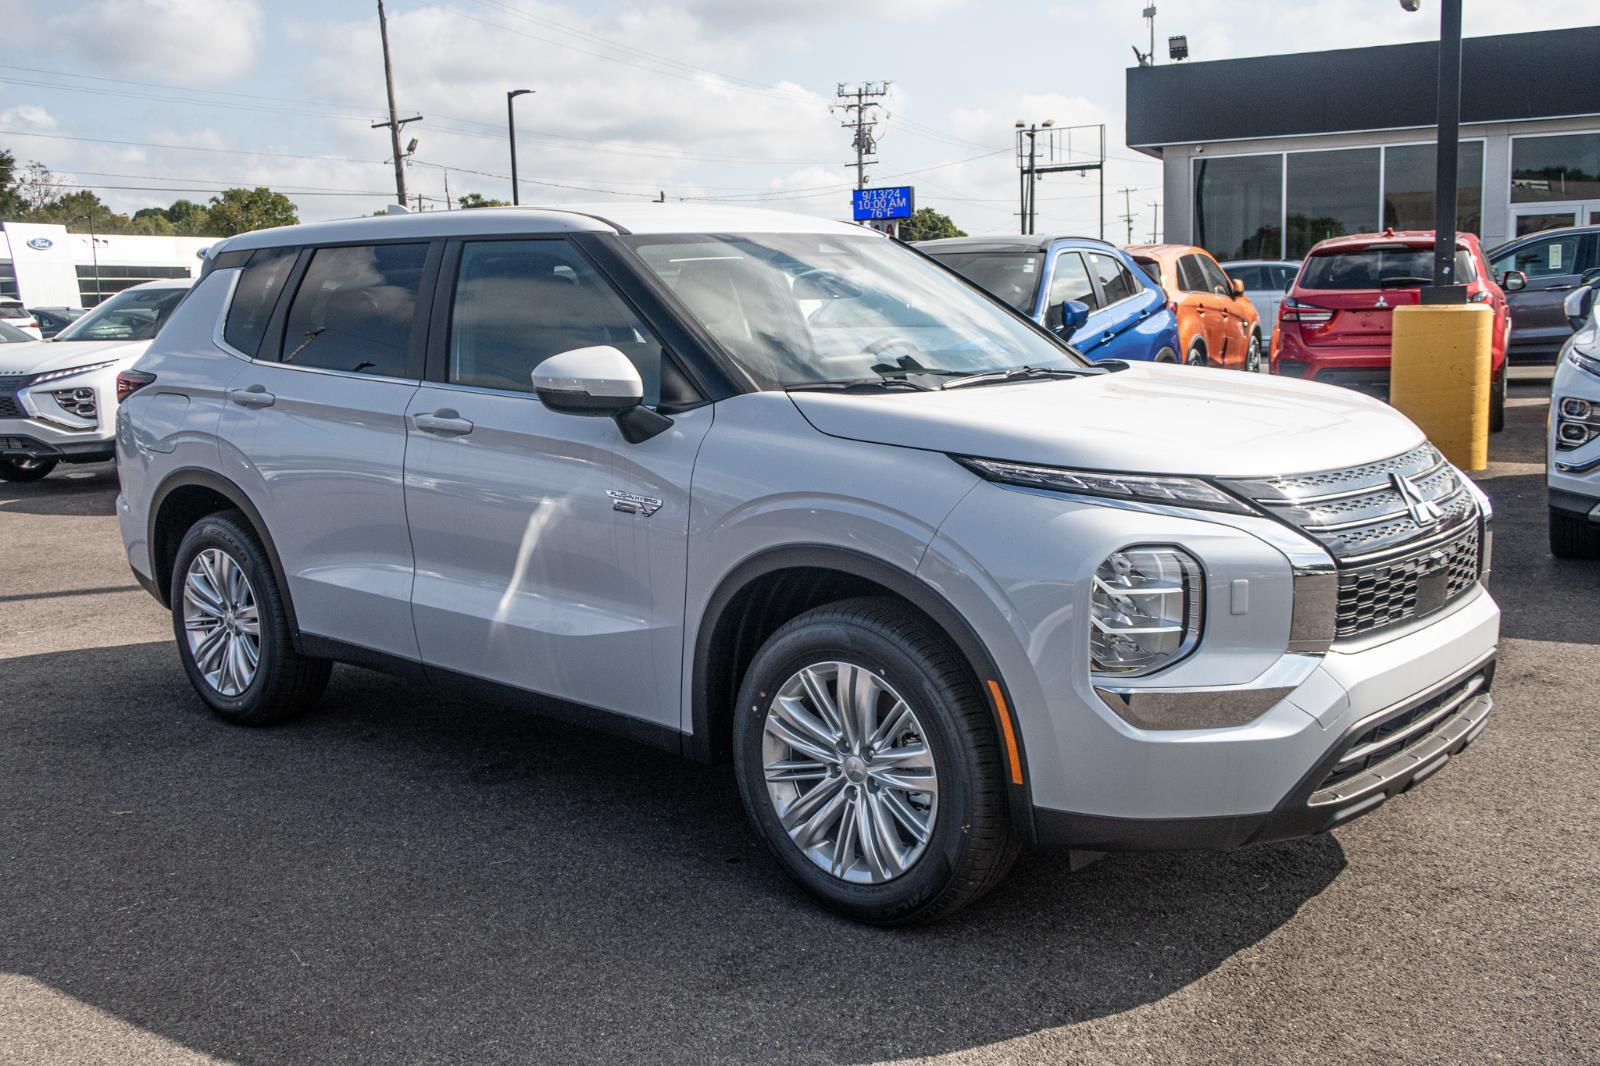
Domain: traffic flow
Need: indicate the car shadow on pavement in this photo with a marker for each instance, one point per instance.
(73, 491)
(410, 876)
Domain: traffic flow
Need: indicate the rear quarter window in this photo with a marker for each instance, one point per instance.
(254, 296)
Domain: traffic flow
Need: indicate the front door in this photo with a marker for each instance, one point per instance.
(550, 552)
(314, 431)
(1553, 265)
(1069, 280)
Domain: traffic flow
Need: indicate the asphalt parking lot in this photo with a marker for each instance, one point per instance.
(412, 877)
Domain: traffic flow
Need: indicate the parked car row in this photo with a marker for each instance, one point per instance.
(39, 323)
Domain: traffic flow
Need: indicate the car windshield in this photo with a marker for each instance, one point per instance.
(10, 334)
(802, 308)
(131, 315)
(1375, 266)
(1011, 276)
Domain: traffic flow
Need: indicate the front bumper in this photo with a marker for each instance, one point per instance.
(1374, 759)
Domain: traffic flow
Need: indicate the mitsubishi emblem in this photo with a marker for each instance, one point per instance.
(1424, 512)
(1382, 304)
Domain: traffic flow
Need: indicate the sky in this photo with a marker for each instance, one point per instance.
(146, 101)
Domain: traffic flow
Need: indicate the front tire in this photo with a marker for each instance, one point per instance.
(1197, 354)
(1572, 537)
(233, 629)
(867, 762)
(1167, 355)
(25, 469)
(1497, 402)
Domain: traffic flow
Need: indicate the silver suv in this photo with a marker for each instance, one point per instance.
(775, 489)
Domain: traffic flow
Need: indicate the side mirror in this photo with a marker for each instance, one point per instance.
(1236, 286)
(1514, 281)
(598, 382)
(1577, 304)
(1590, 276)
(1071, 314)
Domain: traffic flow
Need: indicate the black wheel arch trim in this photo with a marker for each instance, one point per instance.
(198, 477)
(701, 745)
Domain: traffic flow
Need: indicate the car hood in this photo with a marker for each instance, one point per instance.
(1148, 418)
(39, 357)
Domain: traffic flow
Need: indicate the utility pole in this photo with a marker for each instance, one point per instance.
(511, 132)
(1127, 207)
(1057, 152)
(1155, 220)
(858, 104)
(395, 122)
(449, 204)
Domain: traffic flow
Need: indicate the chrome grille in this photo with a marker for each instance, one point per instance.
(1392, 567)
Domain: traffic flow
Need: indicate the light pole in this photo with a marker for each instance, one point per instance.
(1445, 289)
(94, 254)
(511, 130)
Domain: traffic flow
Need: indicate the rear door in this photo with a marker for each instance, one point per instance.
(1553, 264)
(314, 430)
(551, 554)
(1124, 303)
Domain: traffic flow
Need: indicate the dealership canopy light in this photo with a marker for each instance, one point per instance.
(1178, 48)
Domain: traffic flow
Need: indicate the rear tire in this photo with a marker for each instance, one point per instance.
(928, 788)
(233, 628)
(1572, 536)
(1252, 355)
(1497, 402)
(25, 469)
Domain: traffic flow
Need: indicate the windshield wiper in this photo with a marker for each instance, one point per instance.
(865, 384)
(992, 377)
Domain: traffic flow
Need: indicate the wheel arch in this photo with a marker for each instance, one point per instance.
(766, 590)
(183, 498)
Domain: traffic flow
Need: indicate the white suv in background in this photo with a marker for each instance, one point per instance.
(768, 488)
(1574, 475)
(58, 398)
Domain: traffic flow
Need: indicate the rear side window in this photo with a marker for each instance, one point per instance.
(517, 303)
(1191, 278)
(1116, 283)
(355, 309)
(254, 296)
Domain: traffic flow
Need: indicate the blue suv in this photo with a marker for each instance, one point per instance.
(1089, 291)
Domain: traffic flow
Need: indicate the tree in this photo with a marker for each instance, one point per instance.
(10, 200)
(81, 210)
(476, 199)
(926, 224)
(37, 187)
(187, 217)
(240, 210)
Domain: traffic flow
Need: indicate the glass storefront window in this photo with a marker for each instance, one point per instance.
(1555, 168)
(1330, 194)
(1238, 206)
(1408, 179)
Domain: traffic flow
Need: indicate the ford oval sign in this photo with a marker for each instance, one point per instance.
(41, 244)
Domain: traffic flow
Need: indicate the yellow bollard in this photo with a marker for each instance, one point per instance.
(1439, 376)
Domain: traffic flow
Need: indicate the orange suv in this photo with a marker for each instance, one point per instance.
(1217, 323)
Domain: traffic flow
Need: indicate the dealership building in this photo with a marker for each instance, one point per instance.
(46, 266)
(1264, 157)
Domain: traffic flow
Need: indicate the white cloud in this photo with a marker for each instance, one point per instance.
(191, 42)
(27, 116)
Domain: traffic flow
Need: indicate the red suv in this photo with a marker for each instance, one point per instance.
(1336, 322)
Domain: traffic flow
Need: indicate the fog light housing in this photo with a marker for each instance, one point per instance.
(1145, 610)
(78, 402)
(1573, 407)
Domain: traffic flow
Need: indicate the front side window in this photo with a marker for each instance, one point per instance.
(131, 315)
(1115, 281)
(802, 308)
(1191, 275)
(517, 303)
(1216, 280)
(1070, 281)
(355, 309)
(1541, 259)
(1010, 276)
(254, 295)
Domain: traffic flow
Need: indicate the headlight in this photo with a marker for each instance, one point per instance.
(1142, 488)
(56, 375)
(1145, 610)
(1584, 361)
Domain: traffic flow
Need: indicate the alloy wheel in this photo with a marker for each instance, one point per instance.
(221, 622)
(849, 772)
(1252, 356)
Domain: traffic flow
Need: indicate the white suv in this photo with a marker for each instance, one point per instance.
(775, 489)
(58, 398)
(1574, 449)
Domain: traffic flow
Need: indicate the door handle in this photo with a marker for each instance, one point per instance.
(255, 396)
(444, 421)
(1108, 335)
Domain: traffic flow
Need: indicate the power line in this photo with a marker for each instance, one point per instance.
(193, 148)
